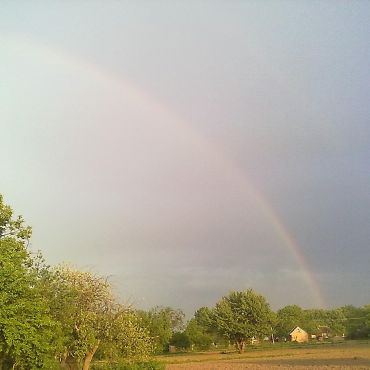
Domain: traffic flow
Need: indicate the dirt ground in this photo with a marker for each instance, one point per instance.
(342, 357)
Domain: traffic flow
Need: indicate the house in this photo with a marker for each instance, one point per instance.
(298, 335)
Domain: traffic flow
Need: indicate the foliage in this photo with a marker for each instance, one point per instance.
(241, 316)
(287, 319)
(357, 321)
(162, 323)
(314, 321)
(319, 320)
(73, 315)
(366, 309)
(180, 340)
(203, 317)
(198, 335)
(63, 312)
(129, 340)
(26, 326)
(82, 303)
(12, 227)
(90, 317)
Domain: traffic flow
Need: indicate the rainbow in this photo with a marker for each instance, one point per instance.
(63, 59)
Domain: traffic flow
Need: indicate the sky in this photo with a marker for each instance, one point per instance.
(187, 149)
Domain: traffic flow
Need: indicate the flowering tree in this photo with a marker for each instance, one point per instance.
(91, 318)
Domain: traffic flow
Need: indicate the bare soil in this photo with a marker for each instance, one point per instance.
(341, 356)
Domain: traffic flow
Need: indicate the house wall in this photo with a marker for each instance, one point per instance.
(299, 336)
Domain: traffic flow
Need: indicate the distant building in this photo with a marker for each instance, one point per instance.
(254, 340)
(323, 332)
(298, 335)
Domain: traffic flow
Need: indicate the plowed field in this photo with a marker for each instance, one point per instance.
(340, 356)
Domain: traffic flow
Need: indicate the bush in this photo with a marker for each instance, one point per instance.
(180, 340)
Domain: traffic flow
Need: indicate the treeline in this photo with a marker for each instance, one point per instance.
(348, 321)
(63, 318)
(245, 317)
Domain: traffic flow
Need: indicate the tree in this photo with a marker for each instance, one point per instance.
(162, 323)
(203, 317)
(357, 321)
(62, 313)
(334, 319)
(198, 335)
(180, 340)
(316, 320)
(366, 310)
(241, 316)
(13, 228)
(82, 303)
(90, 317)
(26, 327)
(288, 318)
(129, 340)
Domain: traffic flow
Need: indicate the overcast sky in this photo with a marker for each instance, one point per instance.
(189, 148)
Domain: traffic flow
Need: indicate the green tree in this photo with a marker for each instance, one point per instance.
(317, 321)
(241, 316)
(366, 309)
(91, 318)
(357, 321)
(313, 319)
(162, 323)
(11, 227)
(128, 341)
(26, 326)
(203, 318)
(198, 335)
(181, 340)
(334, 321)
(81, 304)
(287, 319)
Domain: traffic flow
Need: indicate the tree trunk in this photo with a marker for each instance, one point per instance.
(240, 344)
(89, 356)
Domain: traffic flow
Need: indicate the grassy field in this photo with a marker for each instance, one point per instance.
(344, 355)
